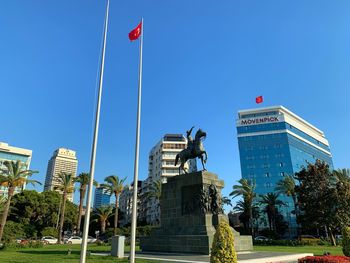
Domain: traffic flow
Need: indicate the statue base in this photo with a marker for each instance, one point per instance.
(185, 226)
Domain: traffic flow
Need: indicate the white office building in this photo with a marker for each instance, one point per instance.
(63, 160)
(161, 165)
(10, 153)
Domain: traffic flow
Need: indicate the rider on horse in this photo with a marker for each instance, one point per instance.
(190, 144)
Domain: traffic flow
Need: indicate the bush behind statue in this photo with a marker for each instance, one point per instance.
(223, 249)
(346, 241)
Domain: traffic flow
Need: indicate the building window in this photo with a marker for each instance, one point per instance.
(282, 173)
(265, 156)
(267, 174)
(281, 164)
(265, 165)
(268, 185)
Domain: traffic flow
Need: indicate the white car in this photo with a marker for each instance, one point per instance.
(91, 239)
(49, 240)
(74, 240)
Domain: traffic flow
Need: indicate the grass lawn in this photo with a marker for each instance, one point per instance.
(58, 254)
(316, 250)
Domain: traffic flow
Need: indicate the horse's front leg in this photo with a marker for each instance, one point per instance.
(202, 160)
(206, 156)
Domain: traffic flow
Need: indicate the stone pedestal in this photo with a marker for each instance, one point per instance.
(117, 246)
(187, 221)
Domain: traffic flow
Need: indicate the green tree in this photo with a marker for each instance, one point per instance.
(244, 209)
(103, 213)
(323, 198)
(13, 230)
(114, 185)
(346, 241)
(287, 186)
(271, 202)
(49, 231)
(155, 190)
(66, 186)
(246, 189)
(39, 210)
(15, 176)
(83, 180)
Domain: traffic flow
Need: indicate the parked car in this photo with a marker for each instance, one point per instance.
(74, 240)
(261, 238)
(49, 240)
(19, 240)
(91, 239)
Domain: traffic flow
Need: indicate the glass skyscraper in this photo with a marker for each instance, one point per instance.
(102, 197)
(275, 142)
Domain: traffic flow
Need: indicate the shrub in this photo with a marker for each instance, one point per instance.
(49, 231)
(346, 241)
(223, 249)
(324, 259)
(278, 242)
(13, 230)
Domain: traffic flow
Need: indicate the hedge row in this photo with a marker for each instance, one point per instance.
(324, 259)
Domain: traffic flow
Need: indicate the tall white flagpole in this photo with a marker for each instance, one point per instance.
(94, 145)
(136, 164)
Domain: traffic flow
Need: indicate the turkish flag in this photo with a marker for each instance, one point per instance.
(135, 33)
(259, 99)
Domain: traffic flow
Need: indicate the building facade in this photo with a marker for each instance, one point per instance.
(10, 153)
(102, 197)
(161, 165)
(63, 160)
(126, 202)
(274, 142)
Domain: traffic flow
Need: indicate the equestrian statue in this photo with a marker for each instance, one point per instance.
(194, 149)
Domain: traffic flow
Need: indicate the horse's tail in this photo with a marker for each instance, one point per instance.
(177, 159)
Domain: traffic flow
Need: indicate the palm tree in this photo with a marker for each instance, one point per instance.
(155, 190)
(103, 213)
(243, 208)
(271, 202)
(114, 185)
(287, 186)
(13, 177)
(246, 189)
(65, 184)
(83, 180)
(342, 175)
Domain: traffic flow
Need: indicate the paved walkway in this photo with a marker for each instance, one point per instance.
(243, 257)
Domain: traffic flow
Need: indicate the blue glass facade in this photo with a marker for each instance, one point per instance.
(102, 198)
(271, 150)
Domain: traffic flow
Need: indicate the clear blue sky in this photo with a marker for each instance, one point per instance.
(203, 61)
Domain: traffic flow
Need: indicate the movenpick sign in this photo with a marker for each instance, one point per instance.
(260, 120)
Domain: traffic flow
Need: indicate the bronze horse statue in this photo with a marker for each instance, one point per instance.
(194, 149)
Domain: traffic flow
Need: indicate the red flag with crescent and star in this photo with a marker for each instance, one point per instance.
(259, 99)
(135, 33)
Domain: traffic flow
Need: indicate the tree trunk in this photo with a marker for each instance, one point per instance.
(103, 226)
(251, 220)
(81, 201)
(62, 217)
(116, 214)
(6, 211)
(332, 237)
